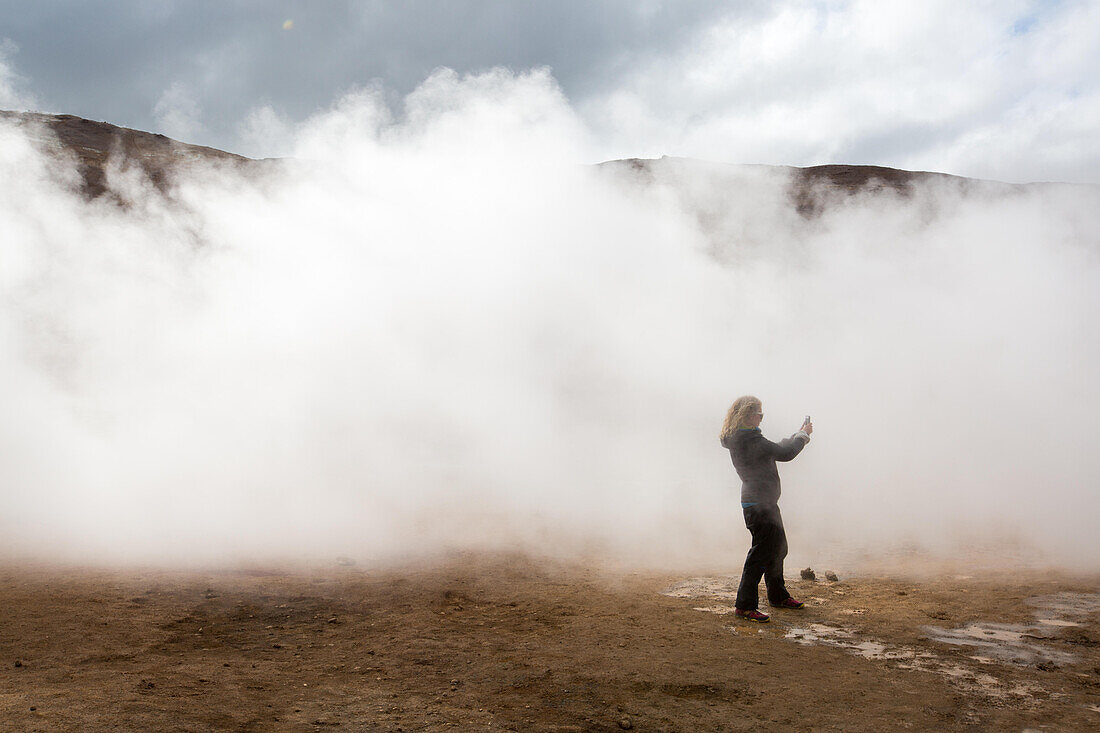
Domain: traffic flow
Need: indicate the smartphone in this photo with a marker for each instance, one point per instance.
(806, 420)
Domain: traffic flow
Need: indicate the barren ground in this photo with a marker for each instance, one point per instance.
(504, 643)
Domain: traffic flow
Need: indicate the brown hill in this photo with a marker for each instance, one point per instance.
(810, 190)
(96, 144)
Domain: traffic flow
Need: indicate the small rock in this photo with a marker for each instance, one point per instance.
(18, 663)
(626, 724)
(33, 708)
(830, 575)
(808, 574)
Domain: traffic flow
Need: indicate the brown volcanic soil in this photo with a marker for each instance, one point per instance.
(496, 643)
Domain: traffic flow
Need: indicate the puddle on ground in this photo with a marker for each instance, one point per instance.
(1057, 622)
(1019, 643)
(992, 643)
(1061, 605)
(852, 642)
(848, 640)
(1015, 644)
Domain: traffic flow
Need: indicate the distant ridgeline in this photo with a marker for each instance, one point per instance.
(810, 190)
(95, 145)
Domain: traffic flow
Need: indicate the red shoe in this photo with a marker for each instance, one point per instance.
(753, 615)
(789, 603)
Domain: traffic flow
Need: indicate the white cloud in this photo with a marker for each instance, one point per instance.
(13, 95)
(441, 331)
(938, 85)
(178, 113)
(265, 134)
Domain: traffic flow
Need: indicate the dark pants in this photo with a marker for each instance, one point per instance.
(769, 547)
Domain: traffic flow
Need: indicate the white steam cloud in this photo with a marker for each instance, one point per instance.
(13, 94)
(436, 329)
(177, 113)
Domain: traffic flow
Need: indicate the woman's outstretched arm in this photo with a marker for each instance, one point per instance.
(786, 449)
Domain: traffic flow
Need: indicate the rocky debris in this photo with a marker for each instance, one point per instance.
(808, 574)
(831, 576)
(626, 723)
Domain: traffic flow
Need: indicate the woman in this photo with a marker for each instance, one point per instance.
(754, 457)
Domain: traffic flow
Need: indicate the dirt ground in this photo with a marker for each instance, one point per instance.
(503, 643)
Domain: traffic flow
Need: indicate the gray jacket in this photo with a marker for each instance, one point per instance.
(754, 457)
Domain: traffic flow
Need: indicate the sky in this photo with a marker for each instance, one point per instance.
(1007, 90)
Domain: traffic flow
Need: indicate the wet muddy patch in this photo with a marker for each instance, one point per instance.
(1026, 644)
(850, 641)
(1014, 644)
(989, 650)
(1063, 606)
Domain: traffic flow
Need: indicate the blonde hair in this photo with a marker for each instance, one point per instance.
(741, 408)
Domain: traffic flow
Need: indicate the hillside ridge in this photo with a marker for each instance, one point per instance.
(96, 144)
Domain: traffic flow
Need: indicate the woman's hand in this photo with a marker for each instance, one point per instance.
(807, 426)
